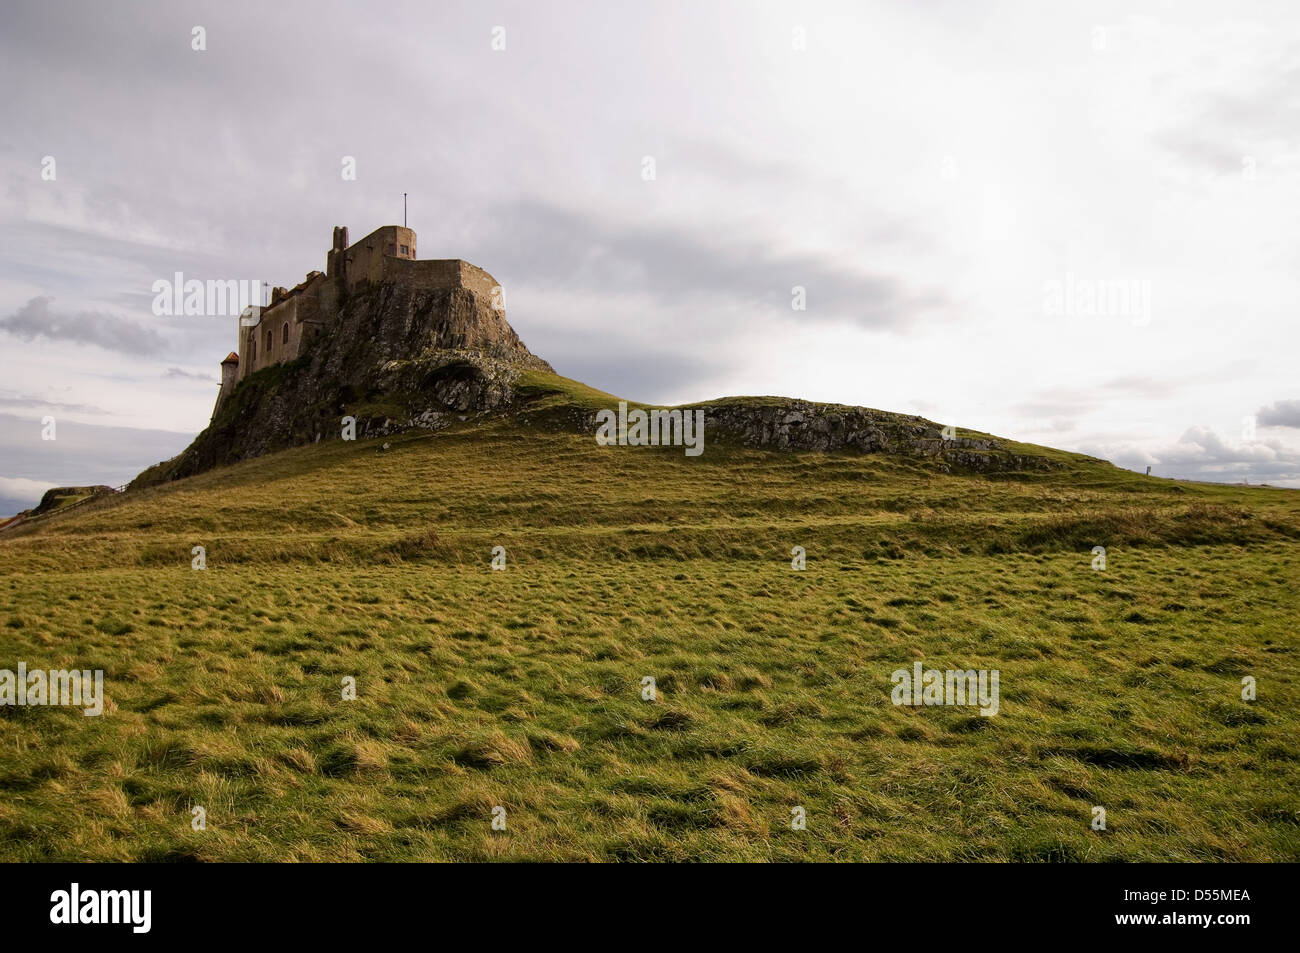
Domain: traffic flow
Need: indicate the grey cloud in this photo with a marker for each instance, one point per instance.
(1201, 454)
(1144, 386)
(119, 275)
(1282, 413)
(82, 454)
(1196, 148)
(715, 160)
(35, 319)
(548, 245)
(1272, 105)
(624, 367)
(31, 400)
(1203, 445)
(81, 263)
(1225, 123)
(1059, 425)
(1050, 408)
(176, 372)
(1073, 401)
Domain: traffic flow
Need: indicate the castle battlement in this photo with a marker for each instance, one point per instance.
(295, 317)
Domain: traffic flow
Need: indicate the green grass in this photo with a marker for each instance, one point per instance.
(522, 688)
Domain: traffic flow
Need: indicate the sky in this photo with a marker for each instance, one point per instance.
(1066, 224)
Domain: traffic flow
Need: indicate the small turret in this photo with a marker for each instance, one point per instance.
(229, 378)
(336, 261)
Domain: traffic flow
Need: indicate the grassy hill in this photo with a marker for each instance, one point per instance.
(522, 688)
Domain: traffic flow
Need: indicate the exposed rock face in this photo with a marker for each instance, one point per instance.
(803, 425)
(397, 356)
(788, 424)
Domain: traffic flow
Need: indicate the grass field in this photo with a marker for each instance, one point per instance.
(522, 688)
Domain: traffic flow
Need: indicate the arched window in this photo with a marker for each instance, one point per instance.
(270, 341)
(286, 332)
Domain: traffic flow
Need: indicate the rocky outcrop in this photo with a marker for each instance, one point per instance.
(779, 424)
(396, 356)
(787, 424)
(792, 425)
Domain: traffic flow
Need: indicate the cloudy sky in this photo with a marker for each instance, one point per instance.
(952, 184)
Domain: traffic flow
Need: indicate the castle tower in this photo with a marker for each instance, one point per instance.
(229, 378)
(336, 262)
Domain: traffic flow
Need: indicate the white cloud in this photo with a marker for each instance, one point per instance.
(1201, 454)
(21, 487)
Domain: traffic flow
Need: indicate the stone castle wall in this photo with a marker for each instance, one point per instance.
(285, 327)
(475, 279)
(436, 274)
(366, 259)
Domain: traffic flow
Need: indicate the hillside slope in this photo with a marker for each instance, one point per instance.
(306, 401)
(523, 688)
(397, 356)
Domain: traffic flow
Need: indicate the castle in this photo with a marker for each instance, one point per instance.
(295, 317)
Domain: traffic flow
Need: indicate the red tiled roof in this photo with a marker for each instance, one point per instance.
(232, 356)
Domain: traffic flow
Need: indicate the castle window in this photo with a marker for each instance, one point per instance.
(286, 332)
(406, 249)
(270, 342)
(252, 348)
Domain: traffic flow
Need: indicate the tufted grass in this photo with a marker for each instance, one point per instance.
(522, 688)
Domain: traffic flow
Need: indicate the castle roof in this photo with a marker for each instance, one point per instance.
(231, 358)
